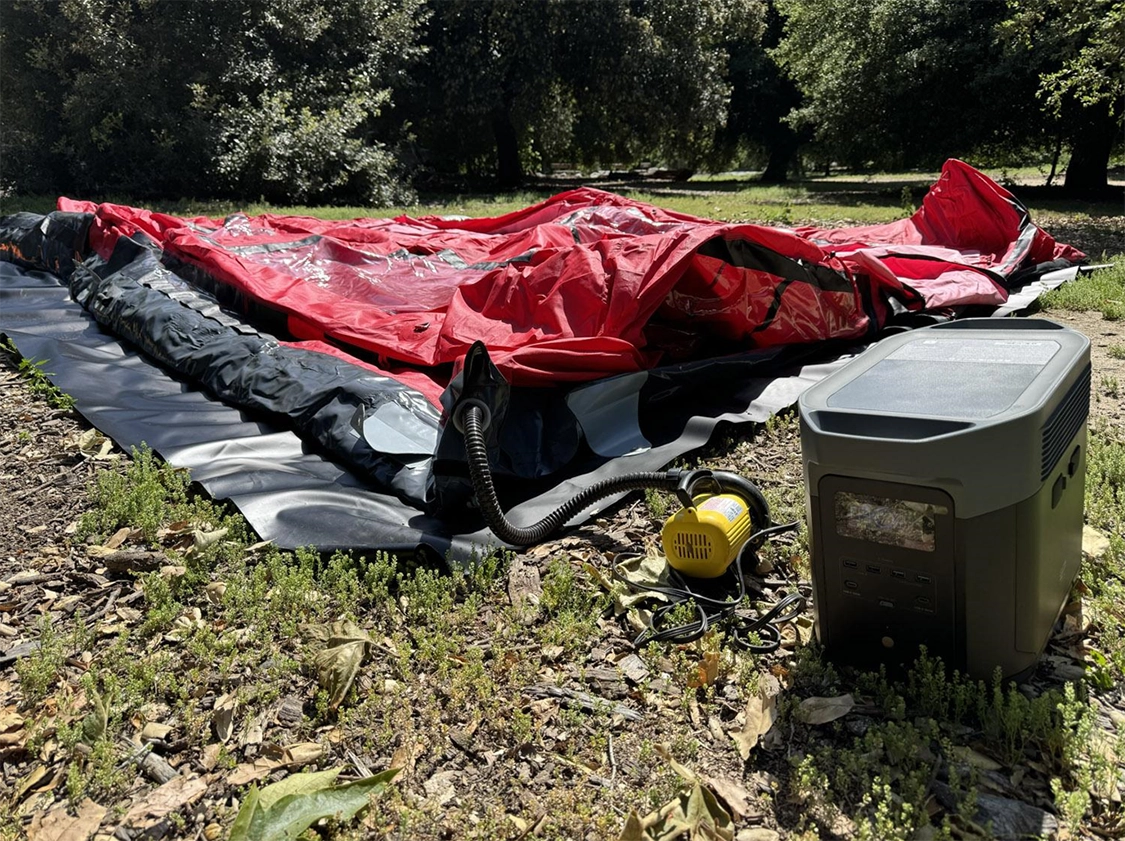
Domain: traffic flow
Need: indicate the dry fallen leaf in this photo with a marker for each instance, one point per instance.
(209, 757)
(117, 539)
(173, 572)
(29, 783)
(215, 591)
(222, 719)
(761, 712)
(169, 798)
(249, 772)
(301, 753)
(337, 665)
(59, 825)
(154, 731)
(403, 757)
(706, 671)
(185, 625)
(173, 529)
(823, 710)
(272, 758)
(737, 797)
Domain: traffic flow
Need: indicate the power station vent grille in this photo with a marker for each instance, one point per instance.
(1064, 422)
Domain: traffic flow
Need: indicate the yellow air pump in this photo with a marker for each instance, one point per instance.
(704, 537)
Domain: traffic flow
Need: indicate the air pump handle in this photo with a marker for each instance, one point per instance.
(685, 491)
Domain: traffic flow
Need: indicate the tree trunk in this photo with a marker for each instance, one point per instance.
(508, 171)
(1055, 160)
(1090, 150)
(782, 150)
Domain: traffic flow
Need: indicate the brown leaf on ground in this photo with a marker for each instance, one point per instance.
(209, 757)
(165, 800)
(222, 718)
(824, 710)
(302, 753)
(706, 671)
(735, 796)
(249, 772)
(272, 758)
(761, 712)
(59, 825)
(29, 782)
(10, 721)
(117, 539)
(154, 731)
(337, 665)
(404, 757)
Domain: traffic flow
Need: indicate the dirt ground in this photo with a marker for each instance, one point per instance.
(45, 476)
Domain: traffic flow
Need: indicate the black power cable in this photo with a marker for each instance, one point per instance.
(722, 612)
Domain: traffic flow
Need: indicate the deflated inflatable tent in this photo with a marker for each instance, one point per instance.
(603, 335)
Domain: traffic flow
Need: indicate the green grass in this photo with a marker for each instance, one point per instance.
(825, 201)
(1099, 291)
(38, 379)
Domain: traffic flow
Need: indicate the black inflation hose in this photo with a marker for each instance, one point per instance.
(472, 422)
(472, 419)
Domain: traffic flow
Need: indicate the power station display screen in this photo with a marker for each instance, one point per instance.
(892, 522)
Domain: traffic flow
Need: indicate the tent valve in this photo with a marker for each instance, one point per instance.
(459, 414)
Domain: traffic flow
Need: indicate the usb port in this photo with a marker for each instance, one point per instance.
(886, 603)
(851, 585)
(922, 579)
(899, 574)
(873, 569)
(850, 564)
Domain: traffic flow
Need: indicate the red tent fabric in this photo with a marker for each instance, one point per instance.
(587, 283)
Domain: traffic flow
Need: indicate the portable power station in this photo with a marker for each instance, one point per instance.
(945, 481)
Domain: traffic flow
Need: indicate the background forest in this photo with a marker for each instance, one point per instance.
(366, 101)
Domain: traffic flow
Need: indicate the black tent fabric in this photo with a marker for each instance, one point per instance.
(294, 494)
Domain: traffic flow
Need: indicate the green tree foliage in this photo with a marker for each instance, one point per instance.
(1078, 50)
(275, 98)
(510, 83)
(899, 83)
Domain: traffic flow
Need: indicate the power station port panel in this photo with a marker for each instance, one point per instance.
(885, 555)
